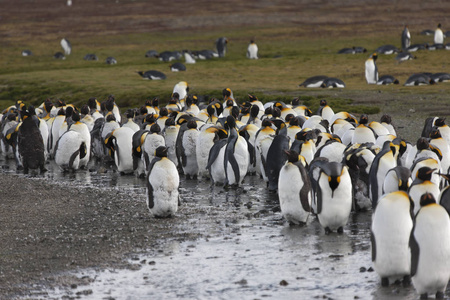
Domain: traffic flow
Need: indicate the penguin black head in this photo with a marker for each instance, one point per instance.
(278, 105)
(110, 118)
(229, 103)
(176, 96)
(155, 128)
(76, 117)
(61, 112)
(294, 121)
(254, 111)
(374, 56)
(191, 124)
(292, 156)
(84, 109)
(109, 105)
(427, 199)
(235, 112)
(231, 122)
(218, 107)
(364, 119)
(276, 112)
(189, 101)
(161, 151)
(301, 135)
(289, 117)
(439, 122)
(163, 112)
(69, 111)
(425, 173)
(266, 123)
(422, 144)
(130, 113)
(170, 122)
(245, 110)
(155, 102)
(48, 105)
(323, 103)
(60, 103)
(252, 97)
(210, 110)
(268, 111)
(150, 118)
(386, 119)
(226, 93)
(143, 110)
(92, 103)
(435, 133)
(439, 25)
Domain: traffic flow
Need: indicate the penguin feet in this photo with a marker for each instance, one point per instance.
(407, 281)
(340, 230)
(439, 295)
(424, 296)
(327, 230)
(43, 170)
(384, 281)
(188, 177)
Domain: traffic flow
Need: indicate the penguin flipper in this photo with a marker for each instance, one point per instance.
(118, 155)
(306, 188)
(230, 158)
(374, 246)
(414, 246)
(83, 150)
(214, 152)
(73, 157)
(151, 202)
(319, 200)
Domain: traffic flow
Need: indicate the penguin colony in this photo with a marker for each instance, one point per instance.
(322, 166)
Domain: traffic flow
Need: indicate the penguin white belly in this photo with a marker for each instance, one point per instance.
(66, 155)
(133, 126)
(109, 127)
(56, 125)
(116, 113)
(43, 128)
(152, 141)
(189, 145)
(334, 152)
(371, 74)
(327, 113)
(170, 137)
(308, 151)
(164, 180)
(205, 141)
(261, 154)
(217, 169)
(83, 130)
(123, 156)
(385, 164)
(335, 208)
(391, 227)
(432, 233)
(242, 158)
(290, 183)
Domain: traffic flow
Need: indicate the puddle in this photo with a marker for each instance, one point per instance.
(253, 254)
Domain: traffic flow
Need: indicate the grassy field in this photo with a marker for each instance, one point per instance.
(289, 53)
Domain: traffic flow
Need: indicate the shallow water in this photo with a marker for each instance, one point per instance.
(253, 254)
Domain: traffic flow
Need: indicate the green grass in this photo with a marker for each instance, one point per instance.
(287, 57)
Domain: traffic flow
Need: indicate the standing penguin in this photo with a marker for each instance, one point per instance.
(406, 38)
(162, 185)
(189, 154)
(294, 190)
(236, 156)
(391, 227)
(333, 189)
(207, 136)
(430, 249)
(422, 184)
(252, 50)
(152, 141)
(221, 46)
(371, 69)
(120, 143)
(30, 142)
(438, 35)
(382, 163)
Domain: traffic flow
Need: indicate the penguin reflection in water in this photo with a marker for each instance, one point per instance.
(162, 185)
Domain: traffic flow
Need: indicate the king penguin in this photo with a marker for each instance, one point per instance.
(422, 184)
(252, 50)
(333, 189)
(153, 140)
(438, 35)
(189, 152)
(85, 134)
(371, 69)
(430, 249)
(120, 143)
(382, 163)
(67, 47)
(294, 190)
(406, 38)
(208, 135)
(170, 134)
(162, 185)
(390, 231)
(30, 142)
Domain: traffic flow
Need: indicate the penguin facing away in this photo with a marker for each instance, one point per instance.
(430, 249)
(162, 185)
(252, 50)
(406, 38)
